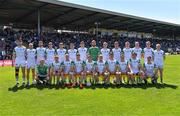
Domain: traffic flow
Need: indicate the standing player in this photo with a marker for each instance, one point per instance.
(127, 51)
(80, 70)
(159, 57)
(19, 56)
(61, 52)
(135, 68)
(72, 52)
(137, 50)
(31, 62)
(82, 51)
(93, 51)
(105, 51)
(116, 51)
(150, 71)
(50, 52)
(148, 51)
(56, 71)
(40, 52)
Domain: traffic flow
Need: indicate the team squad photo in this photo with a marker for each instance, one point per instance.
(88, 66)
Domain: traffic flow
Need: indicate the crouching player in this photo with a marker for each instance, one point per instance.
(80, 71)
(56, 70)
(150, 71)
(89, 70)
(135, 69)
(122, 70)
(100, 70)
(112, 67)
(42, 73)
(65, 70)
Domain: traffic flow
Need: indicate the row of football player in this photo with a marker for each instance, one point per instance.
(41, 52)
(131, 68)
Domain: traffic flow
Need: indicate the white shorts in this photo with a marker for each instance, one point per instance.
(20, 63)
(159, 65)
(31, 65)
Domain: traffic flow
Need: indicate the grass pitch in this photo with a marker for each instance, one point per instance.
(143, 100)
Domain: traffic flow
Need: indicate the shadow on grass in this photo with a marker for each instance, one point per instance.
(98, 86)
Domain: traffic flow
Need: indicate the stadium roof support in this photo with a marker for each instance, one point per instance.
(59, 15)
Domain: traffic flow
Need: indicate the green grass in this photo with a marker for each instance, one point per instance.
(139, 100)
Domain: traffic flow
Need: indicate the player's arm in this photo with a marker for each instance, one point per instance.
(14, 57)
(129, 66)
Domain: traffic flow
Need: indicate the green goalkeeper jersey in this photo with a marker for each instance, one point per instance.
(42, 70)
(94, 52)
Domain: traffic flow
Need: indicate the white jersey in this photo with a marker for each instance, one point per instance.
(67, 66)
(79, 66)
(147, 52)
(159, 57)
(50, 55)
(56, 66)
(127, 53)
(123, 66)
(40, 52)
(89, 66)
(112, 65)
(61, 53)
(101, 66)
(138, 51)
(72, 54)
(31, 56)
(105, 53)
(117, 53)
(83, 53)
(149, 69)
(134, 63)
(20, 53)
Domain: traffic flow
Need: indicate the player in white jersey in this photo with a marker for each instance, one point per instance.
(116, 51)
(105, 51)
(148, 51)
(135, 69)
(19, 55)
(123, 69)
(159, 57)
(137, 50)
(72, 52)
(127, 51)
(89, 69)
(56, 70)
(82, 51)
(150, 70)
(31, 62)
(50, 52)
(80, 70)
(100, 68)
(61, 52)
(65, 69)
(112, 67)
(40, 52)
